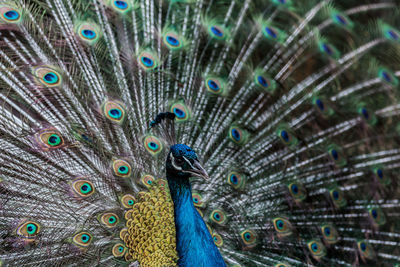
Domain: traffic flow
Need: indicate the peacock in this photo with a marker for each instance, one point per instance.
(200, 133)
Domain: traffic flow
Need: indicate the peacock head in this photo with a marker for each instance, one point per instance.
(182, 162)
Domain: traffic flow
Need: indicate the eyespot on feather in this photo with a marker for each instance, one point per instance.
(336, 154)
(153, 145)
(197, 200)
(28, 229)
(317, 249)
(249, 238)
(238, 135)
(173, 40)
(109, 219)
(114, 111)
(181, 111)
(282, 226)
(83, 188)
(218, 216)
(148, 60)
(49, 139)
(329, 233)
(82, 239)
(10, 14)
(215, 85)
(377, 216)
(337, 197)
(236, 180)
(88, 32)
(128, 201)
(121, 168)
(147, 180)
(297, 191)
(286, 135)
(47, 76)
(120, 6)
(119, 250)
(217, 239)
(217, 32)
(365, 250)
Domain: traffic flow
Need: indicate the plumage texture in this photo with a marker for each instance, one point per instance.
(292, 107)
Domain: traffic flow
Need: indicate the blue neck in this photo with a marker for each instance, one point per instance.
(194, 243)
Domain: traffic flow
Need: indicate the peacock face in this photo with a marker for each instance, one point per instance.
(183, 161)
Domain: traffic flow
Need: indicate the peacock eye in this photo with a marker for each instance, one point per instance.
(179, 161)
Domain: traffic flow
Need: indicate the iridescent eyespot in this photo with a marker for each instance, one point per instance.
(337, 197)
(341, 20)
(47, 76)
(153, 145)
(286, 136)
(328, 49)
(109, 219)
(148, 60)
(236, 180)
(49, 139)
(114, 111)
(297, 191)
(238, 135)
(181, 111)
(119, 250)
(215, 85)
(82, 239)
(329, 233)
(147, 180)
(172, 40)
(317, 249)
(83, 188)
(88, 32)
(282, 3)
(217, 32)
(270, 32)
(388, 77)
(197, 199)
(249, 238)
(365, 250)
(162, 183)
(28, 229)
(122, 168)
(377, 216)
(322, 105)
(217, 240)
(121, 6)
(282, 264)
(218, 216)
(128, 201)
(336, 154)
(369, 117)
(282, 226)
(381, 176)
(10, 14)
(263, 82)
(390, 33)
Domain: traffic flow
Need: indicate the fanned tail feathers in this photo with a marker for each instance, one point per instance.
(293, 107)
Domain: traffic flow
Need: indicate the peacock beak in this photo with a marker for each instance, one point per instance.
(198, 170)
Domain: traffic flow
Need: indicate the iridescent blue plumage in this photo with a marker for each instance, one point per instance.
(194, 243)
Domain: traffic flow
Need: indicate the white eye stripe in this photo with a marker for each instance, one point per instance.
(174, 163)
(188, 161)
